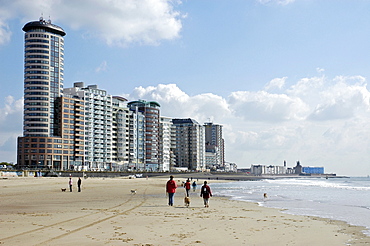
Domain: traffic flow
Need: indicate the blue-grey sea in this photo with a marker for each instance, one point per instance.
(345, 199)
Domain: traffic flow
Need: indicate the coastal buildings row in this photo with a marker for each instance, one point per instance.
(85, 128)
(282, 170)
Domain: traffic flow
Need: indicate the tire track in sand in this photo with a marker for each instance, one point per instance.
(46, 227)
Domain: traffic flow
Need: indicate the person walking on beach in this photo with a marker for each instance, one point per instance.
(70, 184)
(79, 184)
(187, 187)
(194, 185)
(206, 193)
(171, 190)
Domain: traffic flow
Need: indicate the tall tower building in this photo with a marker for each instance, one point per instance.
(41, 143)
(151, 112)
(190, 147)
(43, 76)
(215, 157)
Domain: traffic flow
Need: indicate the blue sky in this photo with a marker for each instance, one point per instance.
(286, 78)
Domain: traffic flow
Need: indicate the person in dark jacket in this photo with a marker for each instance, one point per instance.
(79, 184)
(187, 187)
(206, 193)
(171, 190)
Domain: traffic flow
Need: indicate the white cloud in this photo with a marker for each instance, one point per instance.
(176, 103)
(277, 83)
(5, 33)
(280, 2)
(10, 128)
(102, 67)
(263, 106)
(320, 70)
(117, 22)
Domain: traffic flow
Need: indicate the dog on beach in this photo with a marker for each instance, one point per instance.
(187, 201)
(63, 189)
(264, 195)
(133, 192)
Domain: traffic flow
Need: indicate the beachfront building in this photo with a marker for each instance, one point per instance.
(120, 134)
(214, 147)
(231, 167)
(165, 144)
(190, 145)
(39, 147)
(98, 126)
(150, 112)
(267, 170)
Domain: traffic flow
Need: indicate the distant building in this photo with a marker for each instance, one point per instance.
(214, 146)
(231, 167)
(190, 147)
(267, 169)
(313, 170)
(151, 112)
(165, 144)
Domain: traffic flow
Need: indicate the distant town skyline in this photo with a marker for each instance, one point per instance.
(286, 79)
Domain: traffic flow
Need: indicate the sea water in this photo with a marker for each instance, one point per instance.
(345, 199)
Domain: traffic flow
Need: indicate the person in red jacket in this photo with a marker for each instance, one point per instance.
(187, 187)
(171, 190)
(206, 193)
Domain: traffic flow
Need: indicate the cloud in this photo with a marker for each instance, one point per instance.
(263, 106)
(11, 127)
(277, 83)
(117, 22)
(102, 67)
(279, 2)
(176, 103)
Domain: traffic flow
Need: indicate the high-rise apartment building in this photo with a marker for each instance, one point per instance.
(41, 144)
(120, 134)
(97, 126)
(43, 76)
(190, 148)
(150, 111)
(166, 146)
(214, 143)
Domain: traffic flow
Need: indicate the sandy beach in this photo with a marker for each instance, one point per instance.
(34, 211)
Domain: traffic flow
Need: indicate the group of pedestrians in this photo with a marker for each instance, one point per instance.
(205, 191)
(70, 183)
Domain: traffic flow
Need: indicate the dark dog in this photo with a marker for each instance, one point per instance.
(63, 189)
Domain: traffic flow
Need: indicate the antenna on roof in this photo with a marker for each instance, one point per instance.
(49, 21)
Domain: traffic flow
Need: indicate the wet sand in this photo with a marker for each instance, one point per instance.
(34, 211)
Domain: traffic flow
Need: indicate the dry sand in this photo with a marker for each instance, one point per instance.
(34, 211)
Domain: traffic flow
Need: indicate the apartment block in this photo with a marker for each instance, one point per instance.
(214, 143)
(190, 144)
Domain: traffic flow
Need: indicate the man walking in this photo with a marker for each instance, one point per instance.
(79, 184)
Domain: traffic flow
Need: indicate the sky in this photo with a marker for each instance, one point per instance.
(287, 79)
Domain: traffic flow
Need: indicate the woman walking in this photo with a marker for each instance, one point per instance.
(206, 193)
